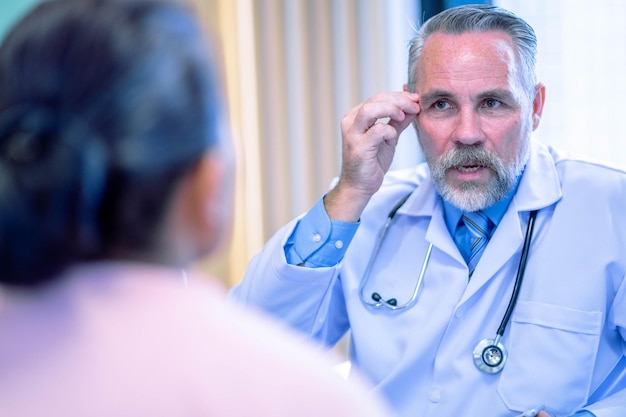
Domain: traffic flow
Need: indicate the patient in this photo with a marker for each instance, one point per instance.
(116, 173)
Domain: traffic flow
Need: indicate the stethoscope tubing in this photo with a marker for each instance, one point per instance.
(520, 275)
(379, 301)
(516, 288)
(490, 355)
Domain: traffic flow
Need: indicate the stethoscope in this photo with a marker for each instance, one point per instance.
(378, 300)
(489, 354)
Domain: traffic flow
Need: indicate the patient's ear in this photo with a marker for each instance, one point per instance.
(214, 191)
(202, 208)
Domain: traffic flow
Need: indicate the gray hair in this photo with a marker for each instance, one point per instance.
(479, 18)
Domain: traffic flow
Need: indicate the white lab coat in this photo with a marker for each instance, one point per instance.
(566, 338)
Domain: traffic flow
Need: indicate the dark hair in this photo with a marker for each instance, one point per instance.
(480, 18)
(104, 104)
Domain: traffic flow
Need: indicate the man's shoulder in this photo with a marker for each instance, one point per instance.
(587, 174)
(564, 160)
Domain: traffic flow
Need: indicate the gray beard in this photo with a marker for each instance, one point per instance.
(470, 196)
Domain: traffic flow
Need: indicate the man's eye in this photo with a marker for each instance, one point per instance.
(492, 103)
(441, 105)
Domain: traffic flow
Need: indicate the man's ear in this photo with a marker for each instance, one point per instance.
(405, 88)
(538, 102)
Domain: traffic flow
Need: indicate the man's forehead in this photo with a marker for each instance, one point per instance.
(468, 45)
(484, 57)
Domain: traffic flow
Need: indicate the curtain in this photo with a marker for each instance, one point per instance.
(293, 68)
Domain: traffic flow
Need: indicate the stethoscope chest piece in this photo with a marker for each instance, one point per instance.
(490, 356)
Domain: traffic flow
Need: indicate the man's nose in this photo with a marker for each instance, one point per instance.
(468, 129)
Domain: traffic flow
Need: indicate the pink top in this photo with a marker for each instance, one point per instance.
(121, 339)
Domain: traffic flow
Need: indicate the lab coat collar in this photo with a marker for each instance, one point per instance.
(426, 202)
(540, 185)
(424, 198)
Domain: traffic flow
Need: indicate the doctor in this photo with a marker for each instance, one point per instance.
(487, 282)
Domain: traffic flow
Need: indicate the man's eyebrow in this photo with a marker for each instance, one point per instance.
(498, 94)
(435, 95)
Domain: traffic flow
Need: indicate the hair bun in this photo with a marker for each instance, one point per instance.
(53, 172)
(23, 129)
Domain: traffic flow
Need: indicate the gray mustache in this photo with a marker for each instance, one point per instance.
(470, 155)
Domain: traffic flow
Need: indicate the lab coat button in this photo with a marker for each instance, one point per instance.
(317, 237)
(435, 395)
(339, 244)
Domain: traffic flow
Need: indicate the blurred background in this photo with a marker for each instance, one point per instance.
(293, 68)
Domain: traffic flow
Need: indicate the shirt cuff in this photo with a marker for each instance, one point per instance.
(584, 413)
(317, 241)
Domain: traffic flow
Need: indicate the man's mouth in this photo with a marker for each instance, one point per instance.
(468, 168)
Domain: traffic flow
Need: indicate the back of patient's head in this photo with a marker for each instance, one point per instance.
(104, 106)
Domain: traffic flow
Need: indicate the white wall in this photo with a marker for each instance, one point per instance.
(582, 62)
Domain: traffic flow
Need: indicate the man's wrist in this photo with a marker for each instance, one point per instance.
(344, 205)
